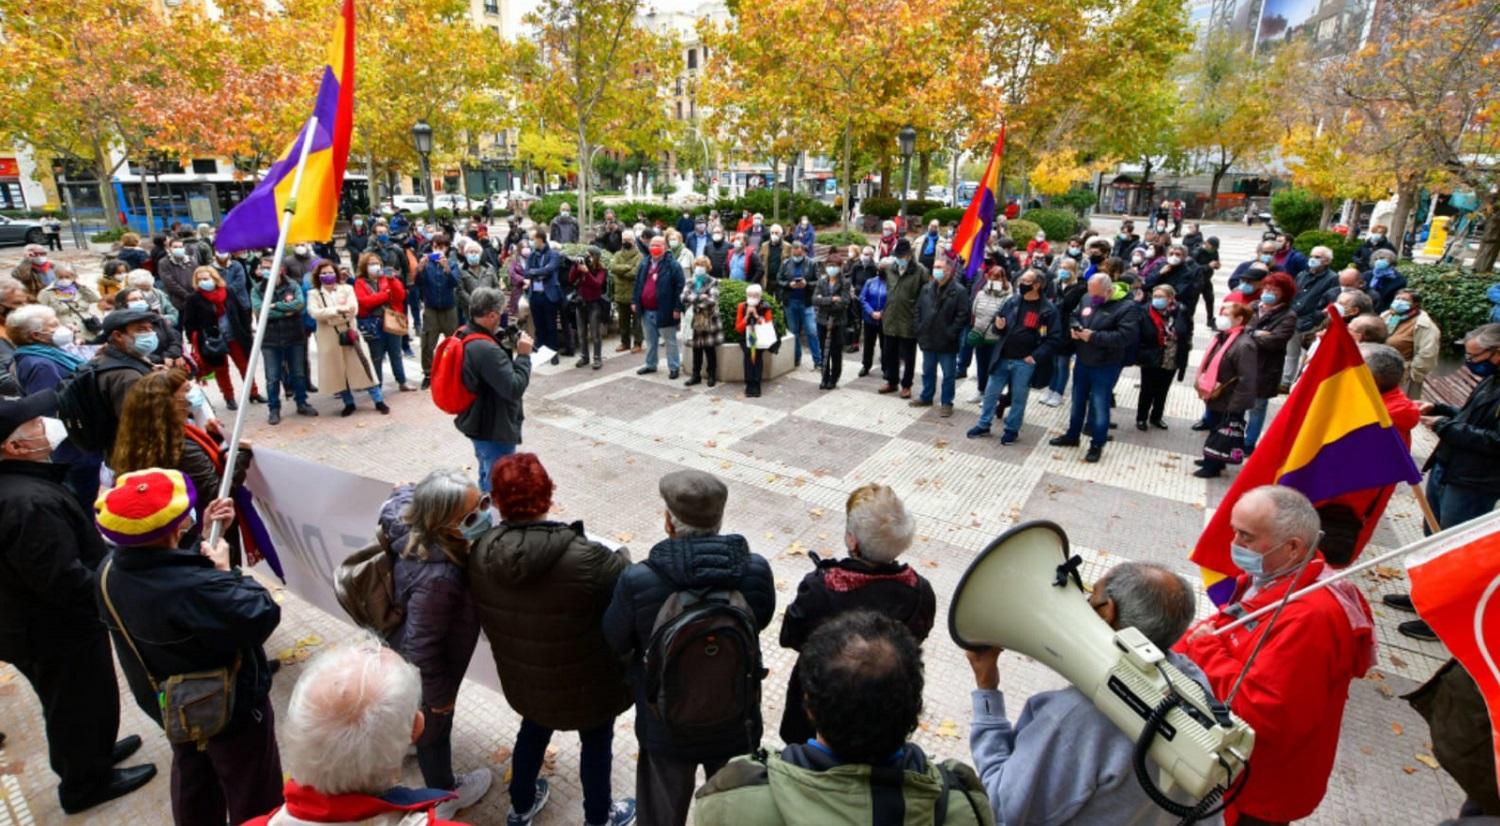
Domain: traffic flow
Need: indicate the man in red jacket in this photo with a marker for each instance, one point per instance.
(1296, 687)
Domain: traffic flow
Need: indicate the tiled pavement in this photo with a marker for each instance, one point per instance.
(790, 458)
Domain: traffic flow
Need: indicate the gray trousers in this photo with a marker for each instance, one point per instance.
(664, 788)
(435, 324)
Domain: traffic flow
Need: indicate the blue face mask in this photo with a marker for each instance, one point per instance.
(481, 525)
(1315, 264)
(1247, 288)
(1159, 303)
(138, 305)
(1247, 560)
(1400, 306)
(384, 236)
(472, 258)
(195, 397)
(1381, 265)
(1482, 368)
(145, 343)
(1266, 257)
(1268, 297)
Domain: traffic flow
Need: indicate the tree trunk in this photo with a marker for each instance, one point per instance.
(585, 212)
(885, 176)
(1489, 243)
(1406, 197)
(146, 198)
(106, 191)
(1213, 190)
(1327, 216)
(848, 163)
(924, 161)
(775, 188)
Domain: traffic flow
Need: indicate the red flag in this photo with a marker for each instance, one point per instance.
(1454, 587)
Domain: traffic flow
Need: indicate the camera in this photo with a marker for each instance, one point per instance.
(507, 334)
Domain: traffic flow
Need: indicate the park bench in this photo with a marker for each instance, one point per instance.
(1453, 389)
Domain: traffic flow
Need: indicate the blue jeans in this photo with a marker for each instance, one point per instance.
(414, 307)
(802, 321)
(1060, 365)
(294, 356)
(1092, 386)
(930, 364)
(1254, 421)
(488, 453)
(597, 753)
(648, 326)
(1455, 504)
(1017, 374)
(383, 346)
(348, 396)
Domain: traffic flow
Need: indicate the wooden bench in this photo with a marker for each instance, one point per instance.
(1453, 388)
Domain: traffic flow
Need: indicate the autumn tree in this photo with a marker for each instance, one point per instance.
(1228, 117)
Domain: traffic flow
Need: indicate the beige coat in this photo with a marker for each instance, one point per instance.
(72, 309)
(339, 367)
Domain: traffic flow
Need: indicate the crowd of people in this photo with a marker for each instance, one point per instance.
(104, 521)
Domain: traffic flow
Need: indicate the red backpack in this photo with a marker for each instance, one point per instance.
(449, 392)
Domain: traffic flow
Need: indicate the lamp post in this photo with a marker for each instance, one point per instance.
(421, 140)
(907, 138)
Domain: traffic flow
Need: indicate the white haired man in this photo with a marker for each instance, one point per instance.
(1296, 687)
(878, 529)
(353, 713)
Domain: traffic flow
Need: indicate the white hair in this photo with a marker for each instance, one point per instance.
(775, 229)
(887, 225)
(26, 320)
(472, 245)
(1292, 514)
(350, 719)
(627, 235)
(62, 268)
(879, 522)
(753, 288)
(683, 530)
(141, 279)
(1322, 251)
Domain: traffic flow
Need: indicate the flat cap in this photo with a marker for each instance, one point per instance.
(695, 498)
(15, 412)
(119, 320)
(903, 247)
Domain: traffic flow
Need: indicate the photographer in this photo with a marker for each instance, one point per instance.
(497, 368)
(439, 284)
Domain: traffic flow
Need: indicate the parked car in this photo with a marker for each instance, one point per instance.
(415, 203)
(454, 201)
(20, 231)
(940, 194)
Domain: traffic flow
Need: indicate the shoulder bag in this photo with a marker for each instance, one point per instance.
(194, 707)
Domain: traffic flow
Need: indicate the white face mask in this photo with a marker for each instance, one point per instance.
(751, 301)
(1174, 260)
(1223, 322)
(62, 337)
(373, 269)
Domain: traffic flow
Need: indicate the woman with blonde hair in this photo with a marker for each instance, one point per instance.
(205, 326)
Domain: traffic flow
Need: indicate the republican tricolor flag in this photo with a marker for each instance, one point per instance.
(1333, 436)
(255, 222)
(974, 230)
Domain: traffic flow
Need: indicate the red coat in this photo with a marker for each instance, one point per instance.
(391, 293)
(1295, 692)
(304, 804)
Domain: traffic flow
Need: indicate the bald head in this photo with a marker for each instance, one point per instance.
(1369, 329)
(1101, 284)
(1278, 523)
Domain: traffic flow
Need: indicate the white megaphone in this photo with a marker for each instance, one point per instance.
(1023, 593)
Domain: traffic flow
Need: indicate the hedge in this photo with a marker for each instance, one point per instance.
(108, 236)
(1453, 297)
(545, 209)
(626, 212)
(944, 215)
(891, 207)
(1059, 224)
(1077, 200)
(840, 240)
(1343, 249)
(731, 293)
(1022, 230)
(1296, 210)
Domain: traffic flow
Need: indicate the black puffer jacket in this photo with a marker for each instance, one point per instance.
(541, 589)
(674, 565)
(1469, 439)
(942, 316)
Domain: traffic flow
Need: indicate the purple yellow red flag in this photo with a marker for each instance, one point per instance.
(1333, 436)
(974, 230)
(255, 222)
(1453, 587)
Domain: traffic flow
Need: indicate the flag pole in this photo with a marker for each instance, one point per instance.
(1427, 515)
(1484, 524)
(261, 322)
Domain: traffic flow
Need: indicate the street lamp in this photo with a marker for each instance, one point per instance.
(421, 140)
(907, 138)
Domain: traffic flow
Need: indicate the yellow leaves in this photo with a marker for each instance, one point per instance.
(1057, 171)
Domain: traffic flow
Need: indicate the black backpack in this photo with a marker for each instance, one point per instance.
(84, 410)
(703, 667)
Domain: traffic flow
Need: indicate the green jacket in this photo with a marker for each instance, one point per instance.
(792, 788)
(622, 268)
(900, 318)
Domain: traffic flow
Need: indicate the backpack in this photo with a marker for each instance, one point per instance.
(89, 417)
(365, 584)
(449, 392)
(703, 666)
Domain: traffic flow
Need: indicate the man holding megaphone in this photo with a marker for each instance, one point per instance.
(1063, 760)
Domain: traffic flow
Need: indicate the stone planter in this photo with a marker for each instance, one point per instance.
(732, 366)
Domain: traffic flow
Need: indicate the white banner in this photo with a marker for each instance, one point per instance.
(317, 516)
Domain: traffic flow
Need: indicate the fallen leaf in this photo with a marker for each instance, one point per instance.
(1367, 750)
(947, 728)
(931, 563)
(710, 443)
(1397, 729)
(1385, 691)
(816, 513)
(16, 767)
(1397, 661)
(1388, 572)
(726, 465)
(940, 444)
(822, 534)
(623, 536)
(780, 584)
(1427, 760)
(311, 639)
(1409, 769)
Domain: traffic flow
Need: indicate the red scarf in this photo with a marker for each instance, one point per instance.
(216, 297)
(1161, 326)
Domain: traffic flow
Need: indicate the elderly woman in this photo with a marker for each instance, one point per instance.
(168, 339)
(1415, 336)
(378, 289)
(75, 303)
(343, 359)
(205, 325)
(701, 295)
(541, 588)
(474, 273)
(430, 528)
(878, 529)
(833, 295)
(44, 348)
(1226, 382)
(1163, 351)
(1383, 281)
(156, 299)
(749, 314)
(1271, 328)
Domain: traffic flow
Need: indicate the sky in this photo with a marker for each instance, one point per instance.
(516, 9)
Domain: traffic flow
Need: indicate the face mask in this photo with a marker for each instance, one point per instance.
(1376, 237)
(1064, 276)
(832, 271)
(1268, 297)
(195, 397)
(482, 522)
(263, 274)
(1074, 251)
(776, 237)
(1381, 265)
(1122, 236)
(1097, 300)
(757, 225)
(359, 222)
(1247, 560)
(866, 258)
(179, 253)
(300, 250)
(994, 287)
(1160, 304)
(1041, 238)
(328, 277)
(1265, 257)
(1400, 306)
(1315, 264)
(752, 301)
(62, 337)
(699, 271)
(1246, 288)
(145, 343)
(1137, 259)
(1222, 323)
(65, 285)
(137, 305)
(1096, 257)
(39, 261)
(1482, 368)
(373, 270)
(739, 244)
(565, 213)
(383, 236)
(1174, 260)
(206, 285)
(472, 258)
(676, 243)
(797, 258)
(656, 252)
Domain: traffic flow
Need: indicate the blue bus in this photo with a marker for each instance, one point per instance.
(201, 199)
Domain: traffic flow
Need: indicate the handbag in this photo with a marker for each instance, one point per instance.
(394, 322)
(213, 345)
(685, 324)
(194, 707)
(765, 335)
(347, 336)
(1226, 443)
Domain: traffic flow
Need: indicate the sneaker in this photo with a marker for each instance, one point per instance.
(621, 813)
(543, 791)
(1008, 437)
(977, 432)
(471, 787)
(1417, 630)
(1401, 602)
(1051, 399)
(975, 399)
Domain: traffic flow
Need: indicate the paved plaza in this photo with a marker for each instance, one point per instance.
(790, 458)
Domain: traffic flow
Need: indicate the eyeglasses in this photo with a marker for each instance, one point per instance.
(472, 517)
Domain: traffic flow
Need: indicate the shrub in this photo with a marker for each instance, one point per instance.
(793, 207)
(731, 293)
(108, 236)
(943, 215)
(627, 211)
(841, 240)
(918, 207)
(1022, 230)
(1059, 224)
(1296, 210)
(545, 209)
(1343, 249)
(1077, 200)
(1454, 298)
(880, 207)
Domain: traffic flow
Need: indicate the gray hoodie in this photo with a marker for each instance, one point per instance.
(1064, 762)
